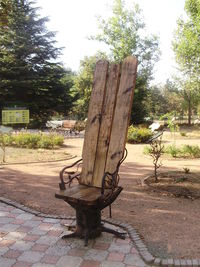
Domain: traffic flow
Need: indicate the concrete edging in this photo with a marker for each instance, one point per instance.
(133, 234)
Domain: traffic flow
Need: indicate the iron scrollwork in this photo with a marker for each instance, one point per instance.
(111, 180)
(70, 175)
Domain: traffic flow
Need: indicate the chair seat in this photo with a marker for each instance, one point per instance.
(87, 196)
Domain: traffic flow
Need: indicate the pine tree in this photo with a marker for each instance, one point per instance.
(29, 73)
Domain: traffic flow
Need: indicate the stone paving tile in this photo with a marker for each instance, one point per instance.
(12, 254)
(122, 248)
(112, 264)
(42, 265)
(7, 262)
(90, 263)
(22, 264)
(96, 255)
(25, 216)
(39, 247)
(22, 245)
(33, 241)
(15, 236)
(49, 220)
(76, 252)
(69, 261)
(116, 256)
(9, 227)
(58, 250)
(101, 245)
(6, 242)
(32, 238)
(3, 250)
(31, 256)
(134, 259)
(50, 259)
(47, 240)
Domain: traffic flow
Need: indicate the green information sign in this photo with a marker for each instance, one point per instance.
(13, 116)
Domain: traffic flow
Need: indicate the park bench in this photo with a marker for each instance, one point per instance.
(103, 148)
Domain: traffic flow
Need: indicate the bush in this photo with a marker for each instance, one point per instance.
(191, 151)
(173, 151)
(137, 135)
(39, 140)
(185, 151)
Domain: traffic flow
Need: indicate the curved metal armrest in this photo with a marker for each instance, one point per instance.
(70, 174)
(111, 180)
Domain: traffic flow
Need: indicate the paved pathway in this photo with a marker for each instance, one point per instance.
(29, 240)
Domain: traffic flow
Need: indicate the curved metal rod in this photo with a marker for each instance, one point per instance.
(70, 175)
(114, 177)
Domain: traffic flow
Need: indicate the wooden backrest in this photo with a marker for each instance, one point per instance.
(108, 119)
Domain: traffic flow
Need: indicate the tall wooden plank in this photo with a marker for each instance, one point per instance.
(122, 113)
(93, 122)
(106, 124)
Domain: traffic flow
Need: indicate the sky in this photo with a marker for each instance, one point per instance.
(75, 20)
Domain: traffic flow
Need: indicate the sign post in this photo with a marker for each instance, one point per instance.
(15, 116)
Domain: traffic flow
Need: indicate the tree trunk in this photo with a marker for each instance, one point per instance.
(189, 109)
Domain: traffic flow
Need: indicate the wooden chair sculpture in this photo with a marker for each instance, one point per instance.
(103, 149)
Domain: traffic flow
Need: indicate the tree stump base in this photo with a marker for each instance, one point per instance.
(89, 225)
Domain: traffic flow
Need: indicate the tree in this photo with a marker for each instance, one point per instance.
(187, 50)
(123, 32)
(30, 74)
(83, 85)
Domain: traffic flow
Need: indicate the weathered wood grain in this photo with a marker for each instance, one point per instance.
(93, 122)
(122, 113)
(106, 123)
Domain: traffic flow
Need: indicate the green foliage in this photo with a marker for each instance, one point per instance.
(32, 140)
(124, 33)
(30, 75)
(191, 151)
(185, 151)
(83, 83)
(173, 151)
(138, 135)
(171, 124)
(79, 126)
(186, 46)
(183, 134)
(187, 42)
(5, 140)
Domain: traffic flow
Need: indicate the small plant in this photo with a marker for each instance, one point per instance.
(183, 134)
(171, 124)
(191, 151)
(172, 150)
(186, 170)
(5, 140)
(137, 135)
(35, 140)
(185, 151)
(156, 151)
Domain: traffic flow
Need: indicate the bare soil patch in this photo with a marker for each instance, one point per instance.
(168, 224)
(177, 183)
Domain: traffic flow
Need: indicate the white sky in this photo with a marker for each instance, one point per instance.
(74, 20)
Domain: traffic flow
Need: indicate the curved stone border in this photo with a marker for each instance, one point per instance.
(133, 234)
(37, 162)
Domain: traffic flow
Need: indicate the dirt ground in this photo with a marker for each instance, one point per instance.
(168, 224)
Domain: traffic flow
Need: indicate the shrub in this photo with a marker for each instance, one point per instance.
(138, 135)
(185, 151)
(30, 140)
(172, 150)
(191, 151)
(183, 134)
